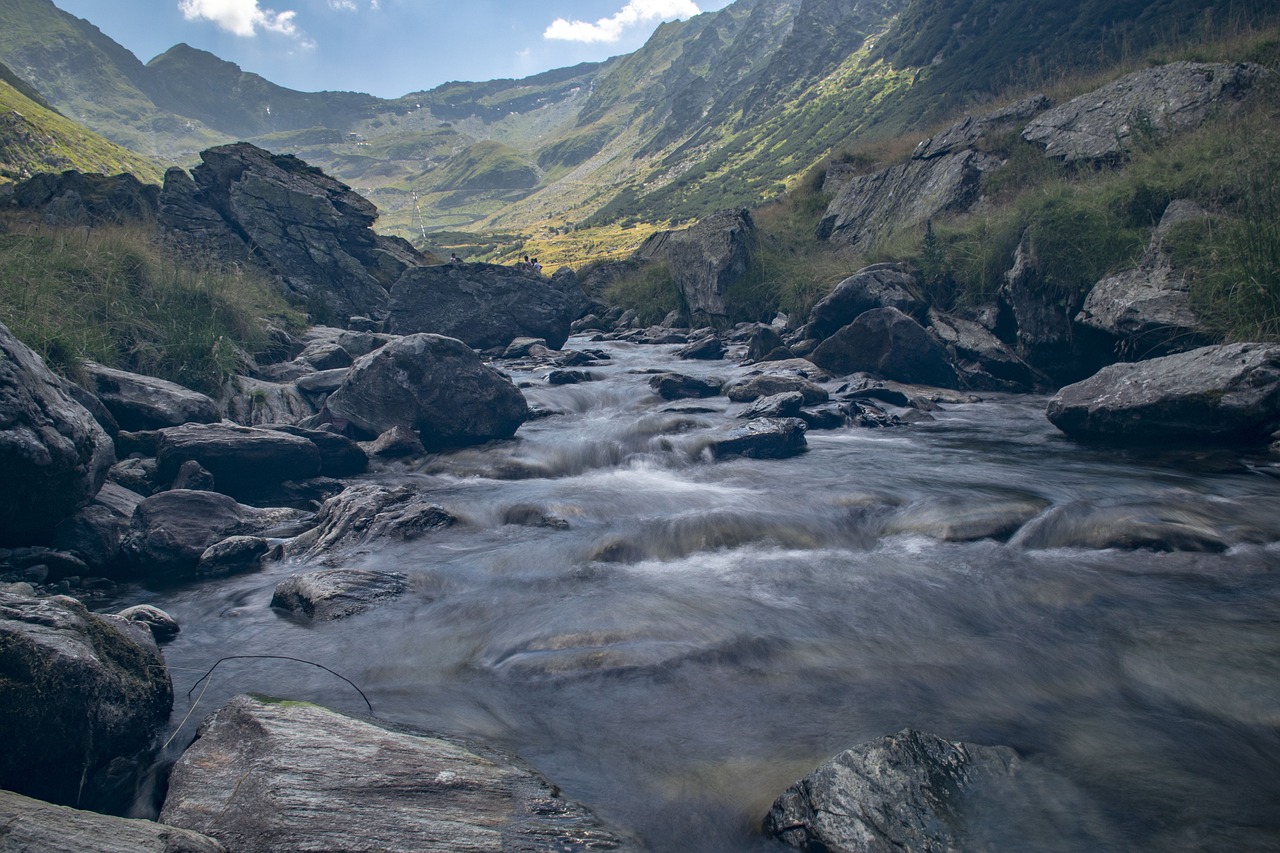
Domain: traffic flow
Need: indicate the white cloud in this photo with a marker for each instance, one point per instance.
(610, 29)
(342, 5)
(241, 17)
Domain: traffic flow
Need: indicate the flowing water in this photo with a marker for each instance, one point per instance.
(689, 637)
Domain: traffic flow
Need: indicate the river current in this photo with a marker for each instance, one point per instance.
(691, 636)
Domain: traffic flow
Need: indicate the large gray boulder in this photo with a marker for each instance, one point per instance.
(139, 402)
(434, 385)
(705, 260)
(312, 233)
(877, 286)
(917, 791)
(888, 344)
(330, 594)
(483, 305)
(872, 207)
(288, 776)
(1149, 105)
(1146, 311)
(35, 825)
(53, 453)
(244, 461)
(366, 513)
(80, 693)
(1228, 392)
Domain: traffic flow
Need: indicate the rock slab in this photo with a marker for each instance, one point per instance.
(289, 776)
(36, 825)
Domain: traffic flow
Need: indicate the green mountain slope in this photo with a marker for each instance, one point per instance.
(35, 138)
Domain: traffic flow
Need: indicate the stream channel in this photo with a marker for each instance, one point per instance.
(703, 633)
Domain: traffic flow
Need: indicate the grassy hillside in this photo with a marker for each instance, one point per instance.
(34, 138)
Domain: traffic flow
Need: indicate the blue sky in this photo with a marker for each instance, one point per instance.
(387, 47)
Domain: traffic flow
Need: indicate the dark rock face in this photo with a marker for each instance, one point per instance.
(985, 362)
(705, 260)
(53, 453)
(314, 234)
(889, 344)
(434, 385)
(878, 286)
(79, 691)
(244, 461)
(170, 531)
(339, 455)
(763, 438)
(482, 305)
(967, 132)
(295, 777)
(708, 348)
(1211, 393)
(94, 532)
(914, 792)
(36, 825)
(78, 198)
(336, 593)
(1146, 311)
(1155, 103)
(140, 402)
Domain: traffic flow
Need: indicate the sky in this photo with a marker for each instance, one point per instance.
(387, 47)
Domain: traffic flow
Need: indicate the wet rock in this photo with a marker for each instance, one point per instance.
(704, 260)
(864, 414)
(395, 443)
(828, 416)
(233, 555)
(366, 513)
(94, 532)
(140, 402)
(192, 475)
(244, 461)
(784, 405)
(434, 385)
(877, 286)
(677, 386)
(161, 625)
(136, 475)
(35, 825)
(570, 377)
(1146, 311)
(53, 453)
(755, 387)
(530, 515)
(1149, 105)
(917, 791)
(889, 344)
(339, 455)
(1169, 526)
(482, 305)
(313, 234)
(295, 777)
(337, 593)
(765, 344)
(170, 531)
(81, 699)
(763, 438)
(968, 518)
(1212, 393)
(708, 348)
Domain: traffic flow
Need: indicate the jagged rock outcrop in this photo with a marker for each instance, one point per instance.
(289, 776)
(1146, 311)
(309, 231)
(483, 305)
(705, 260)
(53, 453)
(967, 132)
(36, 825)
(1229, 392)
(139, 402)
(984, 362)
(916, 791)
(434, 385)
(365, 513)
(888, 344)
(72, 198)
(257, 402)
(81, 698)
(1151, 105)
(871, 207)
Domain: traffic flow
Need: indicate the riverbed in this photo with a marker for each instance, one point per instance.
(674, 640)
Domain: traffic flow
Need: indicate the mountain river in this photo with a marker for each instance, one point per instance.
(695, 635)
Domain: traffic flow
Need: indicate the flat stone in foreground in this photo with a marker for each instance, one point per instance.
(289, 776)
(33, 825)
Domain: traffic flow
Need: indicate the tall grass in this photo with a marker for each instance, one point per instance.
(110, 295)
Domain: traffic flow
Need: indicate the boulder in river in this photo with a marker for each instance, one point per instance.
(434, 385)
(677, 386)
(81, 697)
(762, 438)
(482, 305)
(244, 461)
(53, 453)
(889, 344)
(290, 776)
(35, 825)
(365, 513)
(876, 286)
(1228, 392)
(336, 593)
